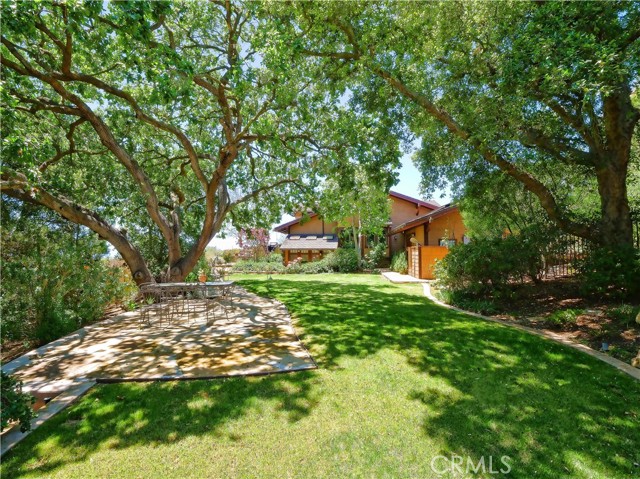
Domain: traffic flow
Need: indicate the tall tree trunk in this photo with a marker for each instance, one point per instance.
(214, 217)
(615, 226)
(356, 242)
(620, 119)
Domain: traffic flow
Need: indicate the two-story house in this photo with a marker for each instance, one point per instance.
(310, 237)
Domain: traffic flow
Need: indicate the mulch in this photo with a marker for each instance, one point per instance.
(532, 304)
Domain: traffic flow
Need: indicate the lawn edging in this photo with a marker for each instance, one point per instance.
(62, 401)
(616, 363)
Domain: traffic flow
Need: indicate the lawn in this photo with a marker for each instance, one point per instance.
(401, 382)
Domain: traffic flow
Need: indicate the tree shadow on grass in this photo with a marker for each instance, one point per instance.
(122, 415)
(495, 391)
(554, 411)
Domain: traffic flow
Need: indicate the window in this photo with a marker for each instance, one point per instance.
(448, 242)
(372, 240)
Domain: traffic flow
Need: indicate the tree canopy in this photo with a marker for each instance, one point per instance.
(152, 122)
(539, 91)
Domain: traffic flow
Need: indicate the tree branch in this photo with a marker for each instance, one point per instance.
(68, 151)
(17, 186)
(107, 138)
(262, 189)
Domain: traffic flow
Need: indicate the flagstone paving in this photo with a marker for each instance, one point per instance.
(256, 337)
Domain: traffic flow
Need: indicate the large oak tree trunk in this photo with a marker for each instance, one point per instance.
(620, 119)
(214, 217)
(615, 227)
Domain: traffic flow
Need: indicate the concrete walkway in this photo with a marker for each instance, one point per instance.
(401, 278)
(256, 337)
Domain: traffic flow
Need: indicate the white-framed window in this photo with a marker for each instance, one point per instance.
(448, 242)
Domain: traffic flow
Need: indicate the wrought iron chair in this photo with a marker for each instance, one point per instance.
(152, 298)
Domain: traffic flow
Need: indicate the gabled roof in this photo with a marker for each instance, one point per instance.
(427, 204)
(441, 211)
(284, 226)
(310, 242)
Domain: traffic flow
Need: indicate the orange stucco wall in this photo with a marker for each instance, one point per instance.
(403, 211)
(447, 226)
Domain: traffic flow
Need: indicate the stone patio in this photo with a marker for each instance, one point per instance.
(257, 337)
(254, 337)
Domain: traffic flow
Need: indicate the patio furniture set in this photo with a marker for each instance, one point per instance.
(170, 302)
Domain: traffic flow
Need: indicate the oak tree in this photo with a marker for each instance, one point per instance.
(539, 91)
(150, 123)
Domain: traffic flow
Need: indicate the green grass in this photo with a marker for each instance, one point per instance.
(401, 381)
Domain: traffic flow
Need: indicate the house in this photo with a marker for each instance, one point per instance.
(413, 223)
(428, 237)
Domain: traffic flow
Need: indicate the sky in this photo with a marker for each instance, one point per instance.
(408, 184)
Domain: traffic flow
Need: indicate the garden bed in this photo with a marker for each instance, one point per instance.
(558, 305)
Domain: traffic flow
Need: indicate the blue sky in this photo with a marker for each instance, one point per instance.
(408, 184)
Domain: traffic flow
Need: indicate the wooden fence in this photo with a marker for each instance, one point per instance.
(422, 259)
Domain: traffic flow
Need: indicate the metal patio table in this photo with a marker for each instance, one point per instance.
(172, 298)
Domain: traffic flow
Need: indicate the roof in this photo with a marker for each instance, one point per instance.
(283, 228)
(427, 204)
(441, 211)
(310, 242)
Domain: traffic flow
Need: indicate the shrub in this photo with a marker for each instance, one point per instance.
(55, 276)
(624, 314)
(230, 255)
(16, 405)
(373, 258)
(563, 317)
(614, 272)
(271, 263)
(342, 260)
(399, 263)
(487, 266)
(273, 258)
(252, 266)
(313, 267)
